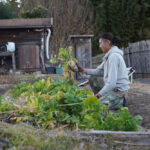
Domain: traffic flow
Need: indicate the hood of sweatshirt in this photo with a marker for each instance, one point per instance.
(114, 49)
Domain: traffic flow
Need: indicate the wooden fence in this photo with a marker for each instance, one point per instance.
(136, 55)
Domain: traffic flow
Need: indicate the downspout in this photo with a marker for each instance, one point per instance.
(42, 54)
(47, 43)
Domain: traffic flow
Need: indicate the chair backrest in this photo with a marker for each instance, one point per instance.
(130, 71)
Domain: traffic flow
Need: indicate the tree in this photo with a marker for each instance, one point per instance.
(5, 12)
(14, 8)
(127, 18)
(70, 17)
(9, 9)
(38, 12)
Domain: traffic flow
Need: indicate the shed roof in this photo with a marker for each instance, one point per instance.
(26, 23)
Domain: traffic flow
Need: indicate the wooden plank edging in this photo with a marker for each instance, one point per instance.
(96, 132)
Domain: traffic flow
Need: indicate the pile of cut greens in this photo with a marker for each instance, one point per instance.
(53, 104)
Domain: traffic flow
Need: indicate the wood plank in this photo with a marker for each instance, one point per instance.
(115, 132)
(28, 57)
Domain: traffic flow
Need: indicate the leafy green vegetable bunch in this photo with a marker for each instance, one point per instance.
(64, 57)
(51, 104)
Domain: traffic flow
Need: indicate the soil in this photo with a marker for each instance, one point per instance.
(139, 102)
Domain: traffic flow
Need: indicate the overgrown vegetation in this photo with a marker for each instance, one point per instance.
(64, 57)
(51, 104)
(26, 137)
(38, 12)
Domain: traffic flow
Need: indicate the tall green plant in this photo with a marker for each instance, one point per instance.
(128, 19)
(64, 57)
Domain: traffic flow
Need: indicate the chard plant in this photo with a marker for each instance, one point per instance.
(64, 57)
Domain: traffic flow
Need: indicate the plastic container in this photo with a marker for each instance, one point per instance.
(10, 46)
(51, 70)
(59, 70)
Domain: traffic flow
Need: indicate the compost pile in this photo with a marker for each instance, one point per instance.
(53, 104)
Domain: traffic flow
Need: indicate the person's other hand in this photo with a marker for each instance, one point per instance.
(81, 69)
(75, 67)
(97, 95)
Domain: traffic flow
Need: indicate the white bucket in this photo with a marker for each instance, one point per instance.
(10, 46)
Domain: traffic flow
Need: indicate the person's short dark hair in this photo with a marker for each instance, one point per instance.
(115, 40)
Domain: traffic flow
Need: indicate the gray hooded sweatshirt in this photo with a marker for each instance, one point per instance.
(115, 72)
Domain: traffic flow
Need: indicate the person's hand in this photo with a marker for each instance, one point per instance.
(81, 69)
(97, 95)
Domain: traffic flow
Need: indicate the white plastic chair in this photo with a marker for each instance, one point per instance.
(130, 71)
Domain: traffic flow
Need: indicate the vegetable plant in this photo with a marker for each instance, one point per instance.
(64, 57)
(51, 104)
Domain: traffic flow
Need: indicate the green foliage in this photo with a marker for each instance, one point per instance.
(20, 88)
(64, 57)
(98, 117)
(14, 8)
(38, 12)
(50, 104)
(127, 19)
(9, 9)
(121, 121)
(5, 12)
(1, 100)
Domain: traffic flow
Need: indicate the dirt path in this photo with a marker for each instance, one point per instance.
(139, 102)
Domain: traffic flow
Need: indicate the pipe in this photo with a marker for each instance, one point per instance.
(47, 43)
(42, 54)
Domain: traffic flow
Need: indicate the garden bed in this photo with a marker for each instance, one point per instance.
(139, 102)
(26, 137)
(82, 139)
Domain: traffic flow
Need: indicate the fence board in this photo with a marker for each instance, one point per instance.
(137, 55)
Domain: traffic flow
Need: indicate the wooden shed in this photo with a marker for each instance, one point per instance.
(31, 38)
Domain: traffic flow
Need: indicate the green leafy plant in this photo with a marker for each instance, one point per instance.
(38, 12)
(51, 104)
(64, 56)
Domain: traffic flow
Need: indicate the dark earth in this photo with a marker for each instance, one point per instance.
(139, 102)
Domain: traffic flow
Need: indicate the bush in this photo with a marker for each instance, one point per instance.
(38, 12)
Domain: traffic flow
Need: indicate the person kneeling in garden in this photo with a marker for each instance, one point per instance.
(111, 89)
